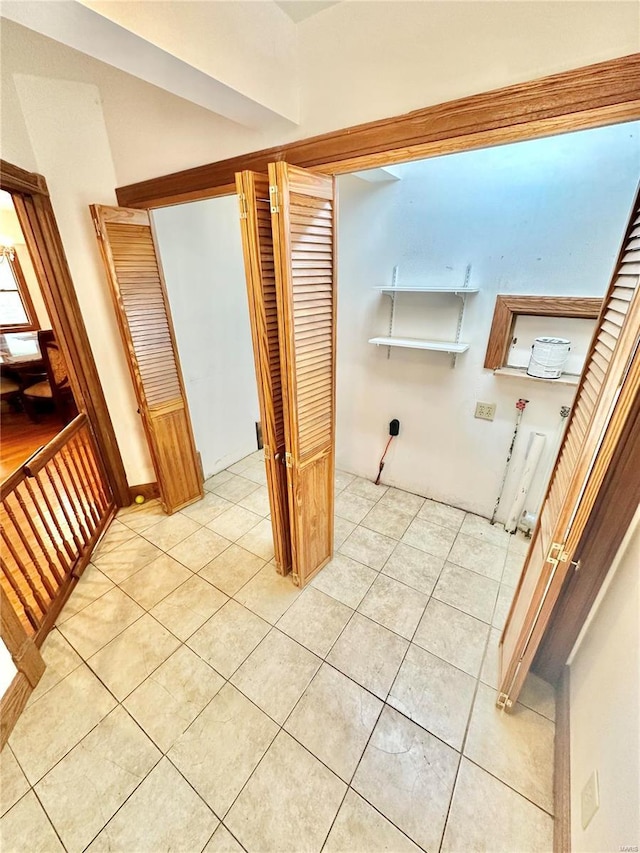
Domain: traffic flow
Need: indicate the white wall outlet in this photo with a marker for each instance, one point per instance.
(485, 411)
(590, 799)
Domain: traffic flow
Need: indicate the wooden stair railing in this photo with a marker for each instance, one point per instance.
(53, 510)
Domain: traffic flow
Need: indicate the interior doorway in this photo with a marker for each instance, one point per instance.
(523, 219)
(61, 471)
(201, 253)
(37, 398)
(537, 220)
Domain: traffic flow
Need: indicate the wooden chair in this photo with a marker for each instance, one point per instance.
(10, 391)
(56, 387)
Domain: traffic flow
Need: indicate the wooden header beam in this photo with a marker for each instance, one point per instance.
(593, 96)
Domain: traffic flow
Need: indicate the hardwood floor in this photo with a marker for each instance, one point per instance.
(20, 437)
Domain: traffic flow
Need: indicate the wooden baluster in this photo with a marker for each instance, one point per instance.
(46, 583)
(72, 531)
(70, 493)
(96, 485)
(32, 524)
(56, 520)
(43, 517)
(28, 612)
(85, 482)
(95, 464)
(82, 498)
(86, 476)
(39, 600)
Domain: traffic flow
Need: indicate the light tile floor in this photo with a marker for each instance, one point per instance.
(196, 700)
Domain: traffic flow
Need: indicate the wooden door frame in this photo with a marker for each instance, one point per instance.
(509, 307)
(588, 97)
(38, 223)
(608, 523)
(609, 520)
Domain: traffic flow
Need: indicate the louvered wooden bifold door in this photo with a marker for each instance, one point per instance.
(303, 222)
(257, 245)
(609, 384)
(144, 318)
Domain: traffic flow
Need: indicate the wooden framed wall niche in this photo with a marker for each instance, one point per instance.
(509, 307)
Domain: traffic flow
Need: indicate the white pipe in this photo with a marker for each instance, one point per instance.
(565, 411)
(531, 463)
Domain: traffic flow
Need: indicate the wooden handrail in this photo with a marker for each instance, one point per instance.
(54, 509)
(13, 480)
(45, 454)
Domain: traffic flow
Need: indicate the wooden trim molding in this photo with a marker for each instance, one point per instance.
(38, 223)
(509, 308)
(562, 768)
(12, 705)
(13, 179)
(149, 491)
(593, 96)
(608, 523)
(28, 662)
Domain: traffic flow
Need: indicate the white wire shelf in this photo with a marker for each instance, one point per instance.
(569, 379)
(419, 343)
(463, 291)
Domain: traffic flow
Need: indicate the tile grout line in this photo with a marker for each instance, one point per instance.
(385, 704)
(272, 626)
(464, 739)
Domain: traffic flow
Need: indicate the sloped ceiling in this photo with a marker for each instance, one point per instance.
(299, 10)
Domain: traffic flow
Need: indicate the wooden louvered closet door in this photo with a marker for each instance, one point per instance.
(610, 381)
(304, 233)
(257, 246)
(144, 318)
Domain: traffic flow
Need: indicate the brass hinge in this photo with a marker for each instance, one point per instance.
(295, 578)
(288, 460)
(274, 198)
(96, 225)
(267, 452)
(561, 556)
(504, 701)
(242, 201)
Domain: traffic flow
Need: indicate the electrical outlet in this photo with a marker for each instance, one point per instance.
(485, 411)
(590, 799)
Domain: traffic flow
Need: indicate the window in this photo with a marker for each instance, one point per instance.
(16, 308)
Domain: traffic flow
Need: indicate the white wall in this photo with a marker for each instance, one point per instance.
(252, 49)
(370, 61)
(541, 217)
(365, 60)
(79, 171)
(605, 708)
(203, 265)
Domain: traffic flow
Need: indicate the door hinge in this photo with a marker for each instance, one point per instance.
(561, 554)
(267, 452)
(96, 225)
(242, 201)
(504, 701)
(288, 460)
(274, 198)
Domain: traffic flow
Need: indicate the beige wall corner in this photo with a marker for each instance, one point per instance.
(68, 137)
(605, 708)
